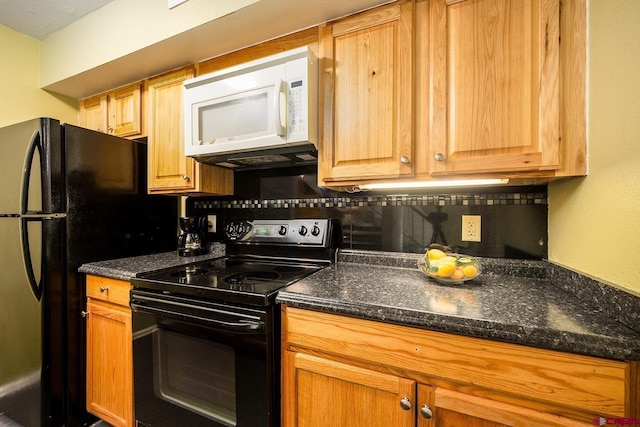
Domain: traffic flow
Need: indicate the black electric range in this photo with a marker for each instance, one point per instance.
(263, 256)
(206, 336)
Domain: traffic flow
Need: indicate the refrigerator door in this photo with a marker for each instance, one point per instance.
(21, 337)
(31, 168)
(25, 209)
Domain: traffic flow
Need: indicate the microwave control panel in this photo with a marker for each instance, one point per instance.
(297, 107)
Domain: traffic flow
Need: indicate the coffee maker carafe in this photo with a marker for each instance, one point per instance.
(192, 241)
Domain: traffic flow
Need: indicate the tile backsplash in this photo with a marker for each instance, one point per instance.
(513, 224)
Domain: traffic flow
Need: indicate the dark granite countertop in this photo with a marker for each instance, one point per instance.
(501, 304)
(523, 302)
(128, 268)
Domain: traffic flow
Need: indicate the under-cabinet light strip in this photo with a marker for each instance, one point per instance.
(432, 184)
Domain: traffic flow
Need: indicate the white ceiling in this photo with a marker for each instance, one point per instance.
(40, 18)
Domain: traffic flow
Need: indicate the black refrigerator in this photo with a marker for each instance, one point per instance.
(68, 196)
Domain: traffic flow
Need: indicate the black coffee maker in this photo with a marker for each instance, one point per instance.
(192, 241)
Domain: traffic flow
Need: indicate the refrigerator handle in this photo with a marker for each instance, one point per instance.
(26, 173)
(36, 287)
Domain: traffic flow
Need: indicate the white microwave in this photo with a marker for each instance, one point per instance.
(253, 111)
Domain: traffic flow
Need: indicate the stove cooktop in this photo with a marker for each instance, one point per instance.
(263, 256)
(243, 280)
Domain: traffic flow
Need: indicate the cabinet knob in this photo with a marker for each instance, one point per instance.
(405, 403)
(439, 157)
(109, 129)
(186, 177)
(426, 412)
(104, 289)
(84, 313)
(404, 160)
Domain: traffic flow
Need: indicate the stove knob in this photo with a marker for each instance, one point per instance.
(282, 231)
(303, 230)
(315, 230)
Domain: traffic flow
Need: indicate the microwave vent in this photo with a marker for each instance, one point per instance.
(298, 155)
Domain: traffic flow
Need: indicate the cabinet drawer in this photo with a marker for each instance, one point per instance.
(553, 379)
(109, 290)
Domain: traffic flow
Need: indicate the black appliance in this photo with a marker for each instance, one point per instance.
(69, 196)
(206, 336)
(192, 240)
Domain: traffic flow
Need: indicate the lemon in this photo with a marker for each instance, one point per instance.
(448, 259)
(435, 254)
(470, 271)
(457, 275)
(446, 270)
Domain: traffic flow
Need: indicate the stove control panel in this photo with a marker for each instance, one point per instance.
(307, 232)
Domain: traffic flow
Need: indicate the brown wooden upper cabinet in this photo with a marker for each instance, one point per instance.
(494, 76)
(424, 90)
(118, 112)
(169, 171)
(366, 92)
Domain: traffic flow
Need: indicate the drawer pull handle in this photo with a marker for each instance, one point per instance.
(426, 412)
(104, 289)
(405, 404)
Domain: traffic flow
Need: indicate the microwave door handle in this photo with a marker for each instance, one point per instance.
(279, 107)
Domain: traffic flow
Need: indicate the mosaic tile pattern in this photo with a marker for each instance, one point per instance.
(361, 201)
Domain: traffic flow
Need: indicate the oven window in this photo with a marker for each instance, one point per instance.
(186, 376)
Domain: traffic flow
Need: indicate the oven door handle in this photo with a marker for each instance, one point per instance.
(214, 318)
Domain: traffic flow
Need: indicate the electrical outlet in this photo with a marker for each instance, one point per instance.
(174, 3)
(471, 228)
(211, 223)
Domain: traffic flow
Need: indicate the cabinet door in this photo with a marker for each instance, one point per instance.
(320, 392)
(124, 111)
(495, 82)
(439, 407)
(109, 363)
(93, 113)
(367, 107)
(168, 166)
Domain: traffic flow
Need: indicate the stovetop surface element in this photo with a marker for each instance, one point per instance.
(229, 279)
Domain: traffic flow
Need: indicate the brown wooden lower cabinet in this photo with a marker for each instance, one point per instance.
(109, 352)
(344, 372)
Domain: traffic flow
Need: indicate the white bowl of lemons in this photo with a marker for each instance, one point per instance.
(448, 267)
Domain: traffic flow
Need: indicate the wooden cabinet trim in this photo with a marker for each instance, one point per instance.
(308, 37)
(113, 290)
(331, 368)
(498, 412)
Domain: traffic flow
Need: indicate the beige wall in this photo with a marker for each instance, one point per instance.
(20, 96)
(594, 222)
(119, 33)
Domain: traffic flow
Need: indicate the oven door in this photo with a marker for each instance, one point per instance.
(202, 364)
